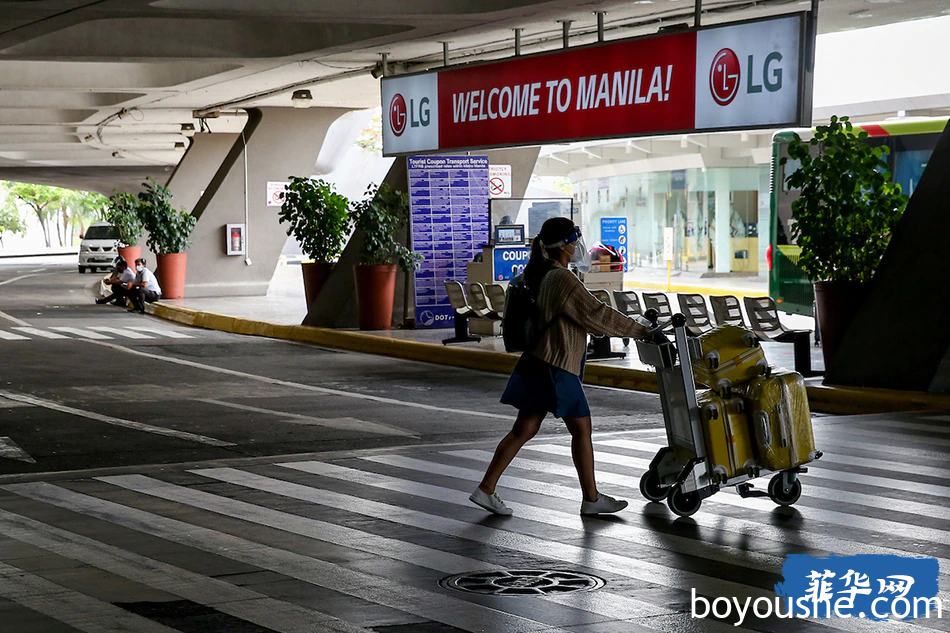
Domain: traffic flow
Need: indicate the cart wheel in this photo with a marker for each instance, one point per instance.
(650, 486)
(683, 503)
(779, 496)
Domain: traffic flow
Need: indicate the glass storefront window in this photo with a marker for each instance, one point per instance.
(698, 204)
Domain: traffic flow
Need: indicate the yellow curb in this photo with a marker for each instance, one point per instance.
(694, 289)
(821, 398)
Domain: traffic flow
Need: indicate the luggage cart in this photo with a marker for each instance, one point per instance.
(680, 472)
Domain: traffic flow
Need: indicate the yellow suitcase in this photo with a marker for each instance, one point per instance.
(731, 355)
(726, 432)
(781, 420)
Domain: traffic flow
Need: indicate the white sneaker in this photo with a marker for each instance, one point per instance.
(603, 505)
(492, 502)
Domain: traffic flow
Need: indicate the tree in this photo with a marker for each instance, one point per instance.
(81, 209)
(43, 201)
(11, 221)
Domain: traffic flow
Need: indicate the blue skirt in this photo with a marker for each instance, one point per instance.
(536, 386)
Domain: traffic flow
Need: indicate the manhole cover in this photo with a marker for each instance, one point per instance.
(523, 582)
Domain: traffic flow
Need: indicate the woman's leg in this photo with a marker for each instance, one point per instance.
(582, 450)
(525, 427)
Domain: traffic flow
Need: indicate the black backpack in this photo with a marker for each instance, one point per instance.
(521, 326)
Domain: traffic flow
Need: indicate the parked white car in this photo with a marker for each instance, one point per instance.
(99, 247)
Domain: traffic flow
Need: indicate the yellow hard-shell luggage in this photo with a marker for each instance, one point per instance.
(726, 432)
(731, 355)
(781, 420)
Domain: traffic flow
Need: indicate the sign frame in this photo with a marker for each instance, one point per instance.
(802, 115)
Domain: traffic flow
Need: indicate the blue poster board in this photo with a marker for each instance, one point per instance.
(613, 232)
(509, 262)
(448, 201)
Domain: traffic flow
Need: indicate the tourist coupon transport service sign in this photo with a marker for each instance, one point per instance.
(745, 75)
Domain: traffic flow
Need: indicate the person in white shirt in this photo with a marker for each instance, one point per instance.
(122, 277)
(145, 288)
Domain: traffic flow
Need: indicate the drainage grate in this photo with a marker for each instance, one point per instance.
(523, 582)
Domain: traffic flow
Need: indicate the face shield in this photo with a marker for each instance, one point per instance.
(580, 256)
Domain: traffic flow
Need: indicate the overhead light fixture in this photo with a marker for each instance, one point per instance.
(180, 146)
(89, 138)
(188, 129)
(123, 113)
(116, 154)
(302, 99)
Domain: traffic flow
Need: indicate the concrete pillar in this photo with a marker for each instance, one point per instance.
(723, 242)
(281, 142)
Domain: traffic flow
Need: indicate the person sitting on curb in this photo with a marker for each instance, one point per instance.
(145, 288)
(122, 277)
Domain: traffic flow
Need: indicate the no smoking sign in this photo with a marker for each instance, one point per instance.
(499, 181)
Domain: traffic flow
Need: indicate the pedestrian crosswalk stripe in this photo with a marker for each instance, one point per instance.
(447, 563)
(83, 333)
(160, 331)
(813, 537)
(71, 607)
(815, 469)
(240, 602)
(10, 336)
(123, 332)
(392, 593)
(41, 333)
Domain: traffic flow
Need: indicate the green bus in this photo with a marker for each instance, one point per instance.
(911, 142)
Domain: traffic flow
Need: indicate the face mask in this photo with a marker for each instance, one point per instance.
(140, 268)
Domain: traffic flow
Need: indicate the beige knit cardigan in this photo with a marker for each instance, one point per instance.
(564, 342)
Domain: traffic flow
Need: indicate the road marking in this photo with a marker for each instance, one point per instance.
(160, 331)
(10, 450)
(10, 281)
(71, 607)
(12, 319)
(83, 333)
(35, 331)
(10, 336)
(129, 424)
(240, 602)
(304, 387)
(120, 332)
(433, 604)
(343, 424)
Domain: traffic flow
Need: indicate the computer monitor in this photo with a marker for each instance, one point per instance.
(509, 234)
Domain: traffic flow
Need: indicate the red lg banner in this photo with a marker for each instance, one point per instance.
(634, 87)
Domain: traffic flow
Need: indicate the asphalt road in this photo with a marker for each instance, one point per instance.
(119, 389)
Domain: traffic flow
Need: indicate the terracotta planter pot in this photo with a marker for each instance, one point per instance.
(171, 274)
(837, 303)
(375, 289)
(130, 254)
(315, 274)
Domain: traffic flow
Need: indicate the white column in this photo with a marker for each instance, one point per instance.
(723, 229)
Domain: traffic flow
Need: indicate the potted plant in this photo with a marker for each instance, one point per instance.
(319, 220)
(168, 232)
(843, 220)
(122, 212)
(380, 216)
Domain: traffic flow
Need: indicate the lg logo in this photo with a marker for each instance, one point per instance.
(398, 115)
(401, 114)
(725, 75)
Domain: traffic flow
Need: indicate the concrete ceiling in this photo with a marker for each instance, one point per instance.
(102, 87)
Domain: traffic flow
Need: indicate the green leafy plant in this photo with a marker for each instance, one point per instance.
(168, 228)
(381, 215)
(122, 212)
(848, 205)
(318, 216)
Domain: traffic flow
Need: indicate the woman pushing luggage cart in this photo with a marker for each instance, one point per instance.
(752, 421)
